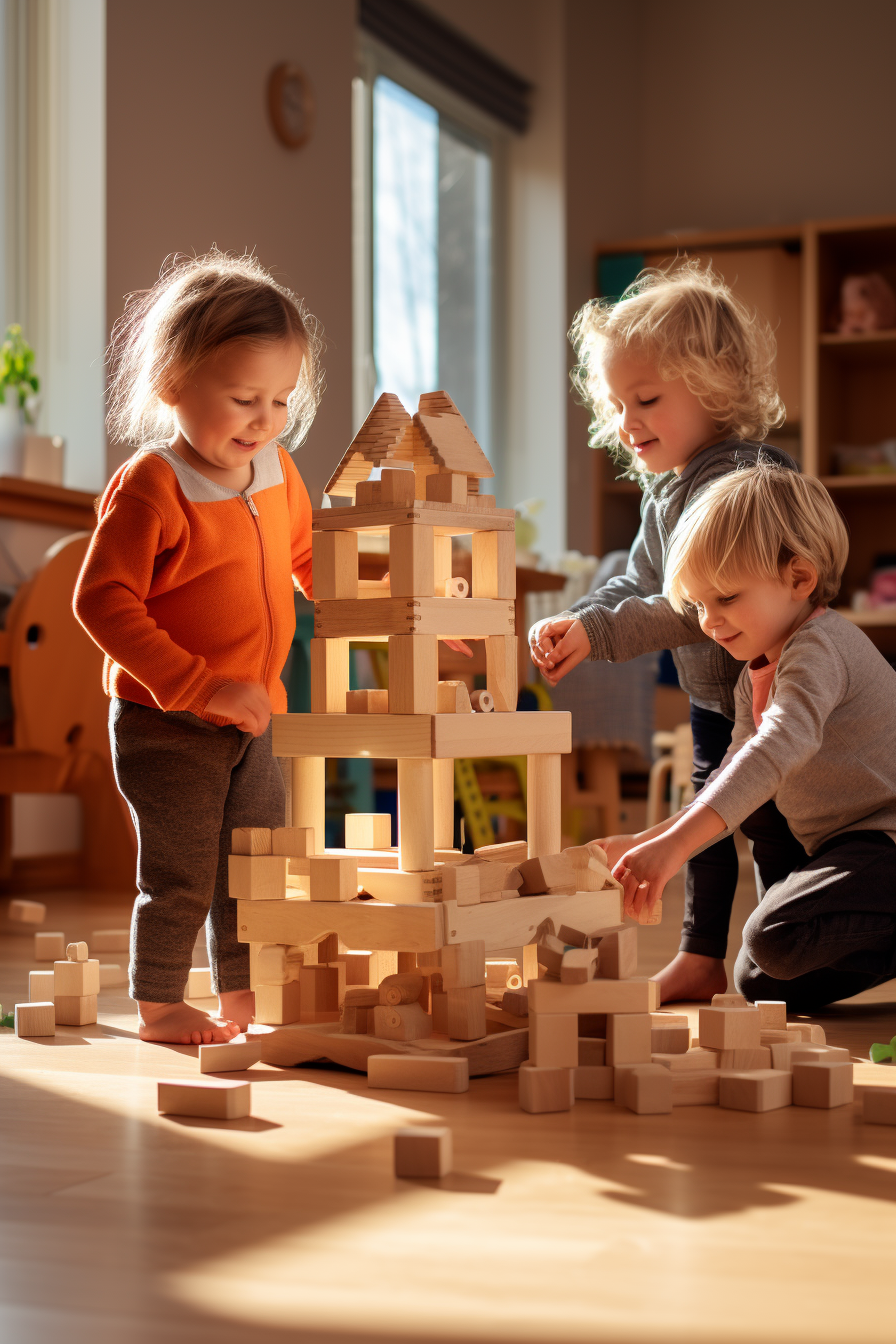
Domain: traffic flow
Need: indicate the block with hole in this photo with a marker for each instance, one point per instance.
(823, 1084)
(482, 702)
(27, 912)
(368, 830)
(109, 940)
(401, 1022)
(35, 1019)
(418, 1073)
(729, 1028)
(257, 877)
(250, 840)
(403, 987)
(334, 560)
(334, 877)
(756, 1090)
(75, 1010)
(423, 1152)
(543, 1090)
(78, 978)
(230, 1056)
(207, 1099)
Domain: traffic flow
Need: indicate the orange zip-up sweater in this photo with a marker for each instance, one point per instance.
(188, 585)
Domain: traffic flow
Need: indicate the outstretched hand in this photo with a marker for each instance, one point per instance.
(644, 871)
(243, 703)
(558, 645)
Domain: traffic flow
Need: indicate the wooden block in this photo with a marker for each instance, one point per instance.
(810, 1032)
(542, 1090)
(439, 1011)
(379, 928)
(396, 487)
(248, 840)
(628, 1038)
(669, 1040)
(362, 996)
(593, 1082)
(618, 950)
(493, 876)
(879, 1106)
(465, 1010)
(220, 1099)
(35, 1019)
(442, 563)
(729, 1001)
(110, 940)
(293, 842)
(463, 964)
(333, 878)
(416, 815)
(502, 974)
(75, 1010)
(592, 1050)
(549, 874)
(276, 1005)
(334, 565)
(502, 735)
(694, 1061)
(413, 674)
(77, 978)
(772, 1014)
(824, 1084)
(494, 564)
(482, 702)
(453, 698)
(578, 966)
(112, 975)
(782, 1052)
(592, 874)
(513, 852)
(516, 1002)
(729, 1028)
(554, 1040)
(402, 1022)
(803, 1054)
(41, 986)
(76, 952)
(320, 988)
(483, 503)
(743, 1061)
(502, 671)
(368, 492)
(367, 702)
(419, 1073)
(401, 988)
(758, 1090)
(543, 804)
(598, 996)
(368, 830)
(329, 676)
(258, 877)
(448, 488)
(695, 1087)
(27, 912)
(400, 888)
(455, 588)
(230, 1057)
(49, 946)
(199, 983)
(663, 1019)
(411, 556)
(423, 1152)
(648, 1090)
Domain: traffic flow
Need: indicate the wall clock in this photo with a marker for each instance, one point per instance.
(290, 105)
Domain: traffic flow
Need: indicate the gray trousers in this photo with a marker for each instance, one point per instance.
(188, 784)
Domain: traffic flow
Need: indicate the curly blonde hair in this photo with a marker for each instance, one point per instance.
(685, 318)
(197, 305)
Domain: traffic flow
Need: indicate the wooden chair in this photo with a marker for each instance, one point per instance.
(673, 770)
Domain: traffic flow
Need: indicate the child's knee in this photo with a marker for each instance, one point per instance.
(770, 947)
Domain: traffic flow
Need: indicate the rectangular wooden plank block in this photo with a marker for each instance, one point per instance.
(334, 564)
(423, 1152)
(35, 1019)
(230, 1056)
(27, 912)
(401, 1022)
(543, 1090)
(413, 674)
(759, 1090)
(447, 519)
(220, 1099)
(502, 670)
(411, 555)
(329, 675)
(360, 924)
(259, 877)
(543, 804)
(696, 1087)
(465, 1013)
(463, 965)
(49, 946)
(445, 617)
(511, 734)
(418, 1073)
(598, 996)
(494, 564)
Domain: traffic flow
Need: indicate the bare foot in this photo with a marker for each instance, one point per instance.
(238, 1005)
(179, 1024)
(691, 976)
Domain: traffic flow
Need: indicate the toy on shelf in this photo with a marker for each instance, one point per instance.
(867, 303)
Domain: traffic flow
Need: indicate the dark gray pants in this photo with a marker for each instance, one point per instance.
(825, 927)
(188, 784)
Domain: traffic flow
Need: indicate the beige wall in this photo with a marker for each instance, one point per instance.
(192, 161)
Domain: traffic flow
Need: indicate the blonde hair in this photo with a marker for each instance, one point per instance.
(197, 305)
(749, 524)
(685, 318)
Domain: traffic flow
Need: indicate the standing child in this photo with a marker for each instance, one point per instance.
(681, 375)
(188, 589)
(810, 776)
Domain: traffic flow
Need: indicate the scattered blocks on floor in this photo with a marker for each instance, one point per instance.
(760, 1090)
(729, 1028)
(112, 975)
(27, 912)
(423, 1152)
(822, 1084)
(418, 1073)
(879, 1106)
(554, 1040)
(199, 983)
(35, 1019)
(75, 1010)
(229, 1056)
(110, 940)
(220, 1099)
(647, 1089)
(49, 946)
(78, 978)
(41, 986)
(546, 1089)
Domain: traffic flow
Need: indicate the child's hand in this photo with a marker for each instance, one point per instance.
(557, 646)
(459, 646)
(245, 703)
(614, 846)
(644, 871)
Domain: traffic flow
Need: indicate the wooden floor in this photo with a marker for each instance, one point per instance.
(707, 1225)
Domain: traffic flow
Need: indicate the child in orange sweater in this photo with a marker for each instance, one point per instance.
(188, 589)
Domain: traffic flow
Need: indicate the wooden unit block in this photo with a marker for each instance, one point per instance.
(112, 975)
(401, 1022)
(49, 946)
(75, 1010)
(804, 1054)
(554, 1040)
(511, 851)
(76, 952)
(411, 557)
(76, 977)
(257, 877)
(418, 1073)
(494, 564)
(694, 1061)
(329, 676)
(663, 1019)
(368, 830)
(516, 1002)
(550, 874)
(453, 698)
(592, 873)
(772, 1014)
(27, 912)
(465, 1013)
(438, 1002)
(386, 884)
(35, 1019)
(448, 518)
(219, 1100)
(41, 986)
(696, 1087)
(825, 1084)
(502, 671)
(542, 1090)
(416, 816)
(669, 1040)
(482, 702)
(463, 964)
(404, 987)
(494, 876)
(593, 1082)
(379, 928)
(333, 878)
(423, 1152)
(550, 952)
(578, 966)
(396, 487)
(743, 1061)
(334, 565)
(320, 987)
(447, 488)
(501, 974)
(810, 1032)
(443, 808)
(598, 996)
(442, 563)
(592, 1050)
(773, 1036)
(199, 983)
(249, 840)
(368, 492)
(367, 702)
(309, 787)
(879, 1106)
(110, 940)
(618, 958)
(628, 1038)
(648, 1090)
(278, 1004)
(729, 1001)
(413, 674)
(758, 1090)
(229, 1057)
(293, 842)
(782, 1052)
(543, 805)
(516, 734)
(729, 1028)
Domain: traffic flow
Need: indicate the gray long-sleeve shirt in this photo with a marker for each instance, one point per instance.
(826, 747)
(629, 616)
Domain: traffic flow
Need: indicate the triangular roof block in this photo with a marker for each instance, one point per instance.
(376, 441)
(449, 439)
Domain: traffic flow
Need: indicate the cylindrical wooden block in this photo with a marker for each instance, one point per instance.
(443, 803)
(543, 805)
(416, 832)
(483, 702)
(397, 989)
(308, 796)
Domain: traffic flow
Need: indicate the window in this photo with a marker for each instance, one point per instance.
(426, 174)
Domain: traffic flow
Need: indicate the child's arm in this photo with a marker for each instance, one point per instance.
(645, 869)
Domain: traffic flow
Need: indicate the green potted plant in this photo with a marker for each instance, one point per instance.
(19, 386)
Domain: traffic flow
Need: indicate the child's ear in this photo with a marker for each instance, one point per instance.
(169, 395)
(803, 578)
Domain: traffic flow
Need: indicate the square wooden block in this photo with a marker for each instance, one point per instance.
(250, 840)
(822, 1084)
(36, 1019)
(759, 1090)
(27, 912)
(75, 1010)
(368, 830)
(367, 702)
(592, 1050)
(49, 946)
(447, 488)
(593, 1082)
(41, 986)
(772, 1014)
(729, 1001)
(729, 1028)
(879, 1106)
(546, 1089)
(229, 1056)
(648, 1089)
(463, 964)
(110, 940)
(334, 877)
(554, 1040)
(418, 1073)
(220, 1099)
(334, 562)
(465, 1013)
(76, 977)
(397, 486)
(669, 1040)
(423, 1151)
(628, 1038)
(293, 842)
(411, 561)
(199, 983)
(257, 877)
(276, 1005)
(618, 954)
